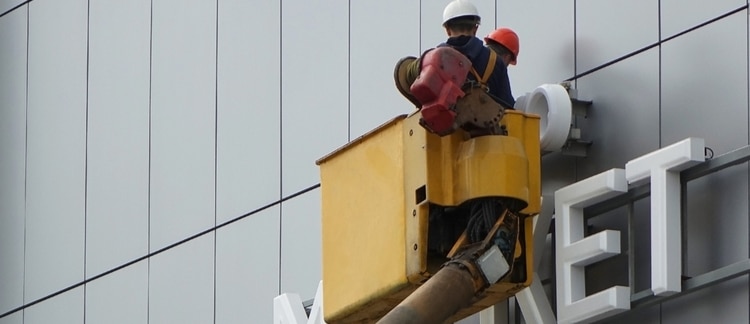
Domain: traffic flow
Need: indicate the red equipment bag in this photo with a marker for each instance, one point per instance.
(444, 71)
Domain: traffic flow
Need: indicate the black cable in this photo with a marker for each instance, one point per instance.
(166, 248)
(708, 153)
(14, 8)
(482, 217)
(648, 47)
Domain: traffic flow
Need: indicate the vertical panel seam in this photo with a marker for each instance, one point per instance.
(150, 91)
(575, 41)
(660, 77)
(575, 68)
(747, 110)
(26, 160)
(661, 312)
(86, 155)
(281, 129)
(659, 127)
(216, 140)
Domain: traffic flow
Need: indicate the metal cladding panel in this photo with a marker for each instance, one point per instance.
(181, 283)
(64, 308)
(15, 318)
(7, 5)
(382, 32)
(183, 125)
(680, 15)
(546, 32)
(118, 134)
(314, 83)
(13, 34)
(301, 244)
(56, 147)
(606, 30)
(247, 268)
(648, 315)
(710, 101)
(707, 100)
(121, 297)
(557, 171)
(623, 120)
(724, 303)
(431, 30)
(713, 223)
(248, 107)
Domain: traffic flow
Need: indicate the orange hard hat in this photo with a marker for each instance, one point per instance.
(506, 37)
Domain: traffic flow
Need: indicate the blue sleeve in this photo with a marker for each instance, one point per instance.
(500, 85)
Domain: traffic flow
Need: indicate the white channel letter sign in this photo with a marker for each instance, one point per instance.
(574, 252)
(663, 167)
(288, 309)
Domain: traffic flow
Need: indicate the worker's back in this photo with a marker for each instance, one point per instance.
(498, 82)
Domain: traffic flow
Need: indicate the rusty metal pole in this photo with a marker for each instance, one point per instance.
(449, 290)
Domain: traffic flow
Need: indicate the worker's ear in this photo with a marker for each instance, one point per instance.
(448, 32)
(507, 58)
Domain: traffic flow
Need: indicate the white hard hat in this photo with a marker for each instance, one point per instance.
(459, 8)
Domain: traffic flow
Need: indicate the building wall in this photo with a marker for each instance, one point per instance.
(158, 155)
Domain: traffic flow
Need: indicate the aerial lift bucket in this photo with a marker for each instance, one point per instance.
(391, 202)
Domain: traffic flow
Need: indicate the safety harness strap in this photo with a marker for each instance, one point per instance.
(487, 71)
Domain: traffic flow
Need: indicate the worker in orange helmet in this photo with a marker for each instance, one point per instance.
(504, 41)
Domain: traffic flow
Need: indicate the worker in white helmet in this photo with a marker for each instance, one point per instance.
(489, 71)
(461, 21)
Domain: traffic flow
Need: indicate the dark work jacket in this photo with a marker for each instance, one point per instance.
(478, 54)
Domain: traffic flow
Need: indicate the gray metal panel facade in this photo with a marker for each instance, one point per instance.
(56, 148)
(547, 55)
(132, 132)
(710, 101)
(182, 120)
(64, 308)
(314, 84)
(15, 318)
(300, 249)
(248, 94)
(6, 5)
(247, 267)
(623, 122)
(185, 296)
(121, 297)
(372, 56)
(605, 30)
(680, 15)
(13, 146)
(117, 178)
